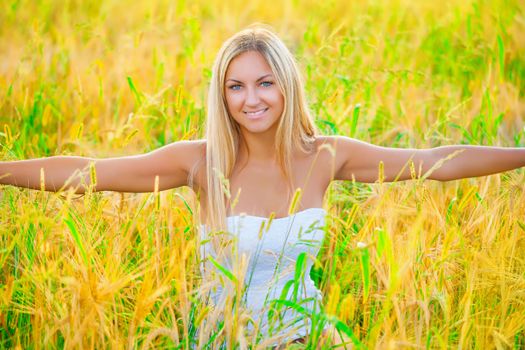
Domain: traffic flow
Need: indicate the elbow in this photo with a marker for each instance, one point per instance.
(438, 175)
(439, 171)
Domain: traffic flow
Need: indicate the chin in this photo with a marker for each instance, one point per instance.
(259, 129)
(255, 130)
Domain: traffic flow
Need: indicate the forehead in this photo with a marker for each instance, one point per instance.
(250, 65)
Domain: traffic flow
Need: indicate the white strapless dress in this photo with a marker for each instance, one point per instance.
(278, 262)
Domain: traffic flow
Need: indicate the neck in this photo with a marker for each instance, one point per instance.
(258, 147)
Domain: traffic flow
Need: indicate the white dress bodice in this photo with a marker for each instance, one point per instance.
(278, 258)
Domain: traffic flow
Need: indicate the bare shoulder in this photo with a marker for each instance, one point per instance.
(334, 149)
(179, 159)
(321, 140)
(329, 145)
(194, 153)
(189, 159)
(187, 152)
(337, 143)
(196, 147)
(332, 139)
(184, 150)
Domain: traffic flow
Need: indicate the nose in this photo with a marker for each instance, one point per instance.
(252, 97)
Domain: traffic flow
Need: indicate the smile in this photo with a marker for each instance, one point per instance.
(256, 113)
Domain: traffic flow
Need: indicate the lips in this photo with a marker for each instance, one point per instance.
(255, 114)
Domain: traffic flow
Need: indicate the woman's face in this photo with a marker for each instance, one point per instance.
(252, 95)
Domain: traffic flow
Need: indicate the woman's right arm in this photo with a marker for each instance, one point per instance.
(137, 173)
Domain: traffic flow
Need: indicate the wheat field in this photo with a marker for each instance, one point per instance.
(409, 265)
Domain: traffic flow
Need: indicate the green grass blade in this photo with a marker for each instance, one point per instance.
(76, 237)
(224, 270)
(364, 263)
(501, 56)
(136, 94)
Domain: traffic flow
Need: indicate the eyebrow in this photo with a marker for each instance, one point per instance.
(261, 78)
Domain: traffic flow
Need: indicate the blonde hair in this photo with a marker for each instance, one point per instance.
(296, 129)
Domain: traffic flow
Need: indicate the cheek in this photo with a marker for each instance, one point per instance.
(279, 100)
(233, 101)
(273, 97)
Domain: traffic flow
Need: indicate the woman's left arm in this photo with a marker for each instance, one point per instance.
(472, 161)
(360, 161)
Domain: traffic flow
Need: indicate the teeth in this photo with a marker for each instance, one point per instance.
(256, 113)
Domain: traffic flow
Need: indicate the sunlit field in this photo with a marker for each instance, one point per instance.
(415, 264)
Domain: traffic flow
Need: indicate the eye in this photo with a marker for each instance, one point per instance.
(267, 83)
(234, 87)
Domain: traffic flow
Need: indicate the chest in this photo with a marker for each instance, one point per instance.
(259, 189)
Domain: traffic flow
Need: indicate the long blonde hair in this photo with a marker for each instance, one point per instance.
(296, 129)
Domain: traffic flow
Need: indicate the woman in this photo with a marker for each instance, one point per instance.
(261, 146)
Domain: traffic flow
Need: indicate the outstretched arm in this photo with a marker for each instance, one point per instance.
(360, 160)
(170, 163)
